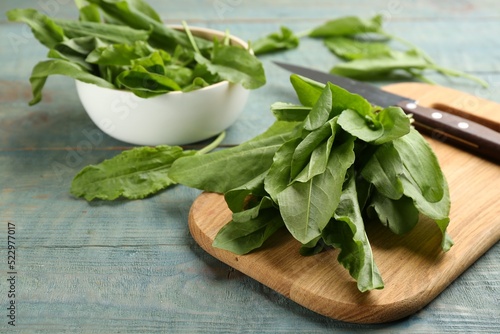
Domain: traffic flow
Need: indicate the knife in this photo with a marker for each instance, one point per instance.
(443, 126)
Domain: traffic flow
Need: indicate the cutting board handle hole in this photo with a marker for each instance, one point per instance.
(462, 113)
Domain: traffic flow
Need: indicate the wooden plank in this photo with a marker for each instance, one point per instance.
(413, 266)
(236, 10)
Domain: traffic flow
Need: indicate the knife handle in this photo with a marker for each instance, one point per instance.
(456, 130)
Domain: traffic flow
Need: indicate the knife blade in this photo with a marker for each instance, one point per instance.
(440, 125)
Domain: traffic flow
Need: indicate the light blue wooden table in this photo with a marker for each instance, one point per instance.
(131, 266)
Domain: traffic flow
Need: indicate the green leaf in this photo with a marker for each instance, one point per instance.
(90, 13)
(278, 177)
(184, 57)
(371, 59)
(44, 29)
(234, 64)
(201, 71)
(238, 164)
(138, 15)
(394, 122)
(438, 211)
(320, 112)
(119, 54)
(307, 207)
(385, 126)
(400, 215)
(383, 170)
(146, 84)
(44, 69)
(197, 83)
(347, 232)
(81, 3)
(253, 211)
(359, 126)
(243, 237)
(435, 210)
(375, 67)
(347, 26)
(153, 63)
(308, 91)
(77, 49)
(68, 56)
(283, 40)
(422, 165)
(108, 32)
(183, 76)
(289, 112)
(80, 46)
(351, 48)
(279, 128)
(132, 174)
(236, 198)
(364, 190)
(143, 7)
(302, 154)
(343, 99)
(424, 182)
(446, 241)
(318, 161)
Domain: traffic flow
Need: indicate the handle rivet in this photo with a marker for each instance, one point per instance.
(411, 105)
(463, 125)
(437, 115)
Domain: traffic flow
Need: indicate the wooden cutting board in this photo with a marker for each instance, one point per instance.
(413, 267)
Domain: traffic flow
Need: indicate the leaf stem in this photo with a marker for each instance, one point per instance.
(304, 33)
(408, 44)
(213, 144)
(455, 73)
(432, 65)
(421, 77)
(227, 38)
(191, 38)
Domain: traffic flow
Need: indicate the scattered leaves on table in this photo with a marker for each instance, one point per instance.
(368, 51)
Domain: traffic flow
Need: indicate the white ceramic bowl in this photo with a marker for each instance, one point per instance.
(175, 118)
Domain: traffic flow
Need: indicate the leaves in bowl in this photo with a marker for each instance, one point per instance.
(234, 64)
(112, 44)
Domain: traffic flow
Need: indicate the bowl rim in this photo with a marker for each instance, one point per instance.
(234, 38)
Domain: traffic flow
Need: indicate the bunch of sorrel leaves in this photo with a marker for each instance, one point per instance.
(365, 48)
(125, 45)
(321, 170)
